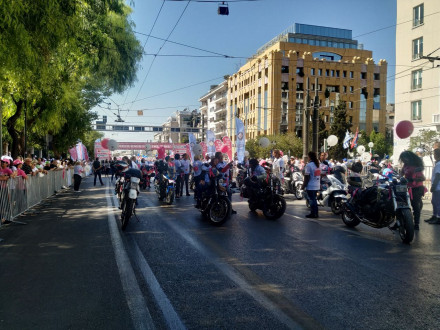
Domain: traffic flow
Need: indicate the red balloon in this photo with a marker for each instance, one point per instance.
(404, 129)
(104, 143)
(225, 149)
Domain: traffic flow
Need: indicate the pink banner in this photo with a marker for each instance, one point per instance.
(73, 153)
(218, 145)
(204, 148)
(227, 142)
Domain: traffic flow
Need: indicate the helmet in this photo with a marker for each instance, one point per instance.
(121, 165)
(253, 162)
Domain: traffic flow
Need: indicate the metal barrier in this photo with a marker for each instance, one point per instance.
(17, 195)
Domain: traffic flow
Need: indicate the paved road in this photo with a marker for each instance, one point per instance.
(72, 268)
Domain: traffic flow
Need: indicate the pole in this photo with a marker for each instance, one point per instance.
(315, 118)
(305, 124)
(1, 127)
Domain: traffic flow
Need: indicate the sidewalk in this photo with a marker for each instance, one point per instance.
(59, 270)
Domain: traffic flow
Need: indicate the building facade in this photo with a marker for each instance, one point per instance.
(178, 126)
(389, 131)
(213, 110)
(417, 96)
(269, 92)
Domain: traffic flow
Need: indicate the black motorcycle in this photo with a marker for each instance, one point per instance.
(165, 188)
(263, 195)
(242, 174)
(214, 203)
(379, 206)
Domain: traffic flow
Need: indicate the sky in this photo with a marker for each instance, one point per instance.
(168, 83)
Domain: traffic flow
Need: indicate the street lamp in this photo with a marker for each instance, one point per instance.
(371, 145)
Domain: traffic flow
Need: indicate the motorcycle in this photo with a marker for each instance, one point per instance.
(214, 203)
(293, 181)
(333, 191)
(264, 195)
(379, 206)
(165, 188)
(147, 174)
(242, 174)
(127, 189)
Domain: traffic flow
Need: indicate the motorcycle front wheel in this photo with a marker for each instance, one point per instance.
(127, 212)
(220, 211)
(276, 209)
(170, 197)
(336, 207)
(406, 228)
(298, 193)
(349, 218)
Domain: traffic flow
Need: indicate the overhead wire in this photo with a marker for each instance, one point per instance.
(154, 58)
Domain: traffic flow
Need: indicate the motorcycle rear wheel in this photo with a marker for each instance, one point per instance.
(349, 218)
(276, 209)
(406, 228)
(220, 211)
(170, 197)
(127, 212)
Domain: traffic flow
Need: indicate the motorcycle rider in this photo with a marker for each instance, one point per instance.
(312, 175)
(257, 175)
(161, 167)
(224, 168)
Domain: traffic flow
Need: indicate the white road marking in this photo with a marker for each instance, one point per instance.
(139, 311)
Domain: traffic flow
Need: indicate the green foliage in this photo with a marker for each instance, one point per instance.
(339, 128)
(381, 146)
(425, 139)
(57, 60)
(285, 142)
(322, 131)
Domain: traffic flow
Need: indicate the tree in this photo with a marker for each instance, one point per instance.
(59, 58)
(381, 147)
(425, 139)
(285, 142)
(339, 128)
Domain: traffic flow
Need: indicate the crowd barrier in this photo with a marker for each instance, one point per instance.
(17, 195)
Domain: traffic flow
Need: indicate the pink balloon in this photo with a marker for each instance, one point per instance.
(104, 143)
(225, 149)
(404, 129)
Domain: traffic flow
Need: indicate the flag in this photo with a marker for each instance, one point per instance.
(354, 142)
(192, 141)
(240, 141)
(210, 142)
(347, 140)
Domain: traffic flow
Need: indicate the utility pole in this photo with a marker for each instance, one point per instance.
(315, 118)
(305, 124)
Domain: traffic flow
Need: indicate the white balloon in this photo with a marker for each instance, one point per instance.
(246, 153)
(332, 140)
(197, 149)
(360, 150)
(112, 145)
(371, 144)
(365, 157)
(264, 142)
(148, 147)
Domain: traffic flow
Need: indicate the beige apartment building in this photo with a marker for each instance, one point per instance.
(213, 110)
(417, 81)
(269, 92)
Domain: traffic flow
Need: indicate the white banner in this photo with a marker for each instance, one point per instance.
(240, 139)
(210, 142)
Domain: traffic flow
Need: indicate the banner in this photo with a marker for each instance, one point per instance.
(218, 145)
(210, 142)
(204, 148)
(192, 141)
(227, 142)
(347, 140)
(354, 142)
(240, 139)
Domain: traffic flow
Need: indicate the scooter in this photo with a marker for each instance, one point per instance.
(333, 191)
(293, 181)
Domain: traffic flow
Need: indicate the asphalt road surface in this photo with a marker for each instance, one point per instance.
(71, 267)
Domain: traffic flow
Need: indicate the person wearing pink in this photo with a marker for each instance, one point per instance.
(19, 164)
(5, 170)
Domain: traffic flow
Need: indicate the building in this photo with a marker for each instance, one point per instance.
(213, 110)
(269, 92)
(389, 123)
(178, 126)
(417, 61)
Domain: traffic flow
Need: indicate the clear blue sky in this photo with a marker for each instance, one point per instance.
(248, 26)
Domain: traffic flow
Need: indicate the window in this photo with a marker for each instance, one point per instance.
(284, 95)
(416, 110)
(417, 48)
(344, 89)
(312, 72)
(351, 74)
(376, 76)
(351, 89)
(344, 74)
(284, 85)
(337, 73)
(319, 72)
(327, 73)
(350, 105)
(416, 81)
(363, 75)
(332, 73)
(418, 15)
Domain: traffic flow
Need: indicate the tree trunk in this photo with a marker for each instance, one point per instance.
(16, 147)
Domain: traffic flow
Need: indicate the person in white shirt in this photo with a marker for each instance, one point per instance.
(278, 165)
(312, 176)
(186, 164)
